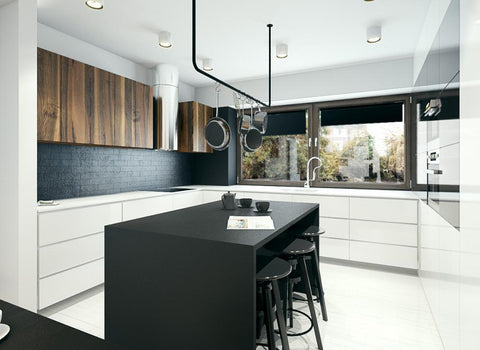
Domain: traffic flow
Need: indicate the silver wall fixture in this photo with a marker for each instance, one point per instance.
(165, 93)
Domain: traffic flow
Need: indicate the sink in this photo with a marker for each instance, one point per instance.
(172, 189)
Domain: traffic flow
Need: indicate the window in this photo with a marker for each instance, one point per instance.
(284, 152)
(362, 143)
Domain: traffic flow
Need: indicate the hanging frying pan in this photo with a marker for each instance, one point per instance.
(217, 130)
(252, 140)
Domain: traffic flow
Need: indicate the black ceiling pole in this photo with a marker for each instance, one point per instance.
(194, 61)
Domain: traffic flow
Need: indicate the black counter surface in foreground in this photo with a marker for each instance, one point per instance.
(181, 280)
(29, 330)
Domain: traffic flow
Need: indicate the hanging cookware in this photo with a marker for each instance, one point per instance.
(217, 130)
(259, 121)
(252, 140)
(244, 120)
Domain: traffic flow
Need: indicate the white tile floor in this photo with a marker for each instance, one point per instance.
(367, 309)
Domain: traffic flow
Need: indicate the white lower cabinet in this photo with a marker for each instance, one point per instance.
(384, 254)
(259, 196)
(145, 207)
(334, 248)
(335, 228)
(65, 284)
(383, 232)
(212, 196)
(71, 241)
(65, 255)
(186, 199)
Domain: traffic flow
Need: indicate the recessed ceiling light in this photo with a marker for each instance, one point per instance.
(368, 0)
(208, 64)
(374, 34)
(94, 4)
(282, 50)
(165, 39)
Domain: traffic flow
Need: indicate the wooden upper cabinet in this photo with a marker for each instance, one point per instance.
(192, 119)
(81, 104)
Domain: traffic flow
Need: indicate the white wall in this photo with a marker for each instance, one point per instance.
(185, 92)
(433, 20)
(66, 45)
(368, 79)
(53, 40)
(18, 122)
(469, 174)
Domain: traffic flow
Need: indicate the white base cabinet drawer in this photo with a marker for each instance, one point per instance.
(335, 228)
(63, 225)
(212, 196)
(334, 248)
(384, 254)
(334, 207)
(258, 196)
(389, 210)
(383, 232)
(146, 207)
(186, 199)
(65, 255)
(65, 284)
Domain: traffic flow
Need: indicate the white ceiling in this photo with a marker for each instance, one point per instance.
(319, 33)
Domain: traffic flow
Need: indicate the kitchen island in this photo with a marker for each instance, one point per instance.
(181, 280)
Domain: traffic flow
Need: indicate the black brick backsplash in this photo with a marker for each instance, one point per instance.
(69, 171)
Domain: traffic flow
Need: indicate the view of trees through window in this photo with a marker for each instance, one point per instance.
(363, 153)
(282, 157)
(357, 144)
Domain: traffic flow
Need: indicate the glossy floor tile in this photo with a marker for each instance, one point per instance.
(367, 309)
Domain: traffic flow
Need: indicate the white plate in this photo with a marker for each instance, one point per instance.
(4, 329)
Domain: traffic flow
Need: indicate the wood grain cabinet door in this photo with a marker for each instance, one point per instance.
(82, 104)
(192, 119)
(49, 126)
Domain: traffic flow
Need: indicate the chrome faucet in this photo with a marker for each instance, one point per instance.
(307, 183)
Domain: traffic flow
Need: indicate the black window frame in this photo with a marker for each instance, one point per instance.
(313, 134)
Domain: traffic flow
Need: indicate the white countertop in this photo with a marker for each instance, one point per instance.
(315, 191)
(127, 196)
(98, 200)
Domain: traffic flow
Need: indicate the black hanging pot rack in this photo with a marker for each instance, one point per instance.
(208, 75)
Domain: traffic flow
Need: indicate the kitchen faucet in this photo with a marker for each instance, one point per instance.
(307, 183)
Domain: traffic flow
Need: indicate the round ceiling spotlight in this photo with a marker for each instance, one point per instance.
(282, 50)
(165, 39)
(94, 4)
(374, 34)
(207, 64)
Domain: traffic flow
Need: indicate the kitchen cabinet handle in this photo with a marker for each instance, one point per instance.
(434, 172)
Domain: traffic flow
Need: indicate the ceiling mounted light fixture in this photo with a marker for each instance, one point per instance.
(374, 34)
(165, 39)
(368, 0)
(207, 64)
(94, 4)
(282, 50)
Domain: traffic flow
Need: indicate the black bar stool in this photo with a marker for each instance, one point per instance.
(310, 235)
(296, 253)
(269, 271)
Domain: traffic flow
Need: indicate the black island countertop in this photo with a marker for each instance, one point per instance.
(209, 222)
(181, 280)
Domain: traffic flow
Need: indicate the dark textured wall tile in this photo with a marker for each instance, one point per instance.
(67, 171)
